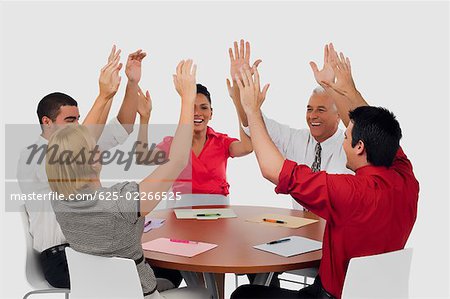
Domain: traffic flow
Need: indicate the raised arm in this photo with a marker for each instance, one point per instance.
(128, 109)
(144, 109)
(239, 59)
(109, 82)
(269, 158)
(336, 78)
(164, 175)
(107, 108)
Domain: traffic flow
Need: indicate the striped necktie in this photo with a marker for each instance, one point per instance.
(315, 167)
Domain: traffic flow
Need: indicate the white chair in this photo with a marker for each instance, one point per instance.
(305, 273)
(113, 277)
(379, 276)
(33, 270)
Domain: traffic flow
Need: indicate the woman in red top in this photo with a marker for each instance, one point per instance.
(206, 171)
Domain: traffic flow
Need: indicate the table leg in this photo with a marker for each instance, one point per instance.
(192, 278)
(211, 284)
(220, 282)
(263, 279)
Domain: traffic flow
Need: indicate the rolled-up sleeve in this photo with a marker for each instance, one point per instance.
(113, 134)
(306, 187)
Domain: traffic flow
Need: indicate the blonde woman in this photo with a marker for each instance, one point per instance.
(114, 227)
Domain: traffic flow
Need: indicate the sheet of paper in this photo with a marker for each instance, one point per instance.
(193, 213)
(153, 223)
(297, 245)
(164, 245)
(291, 221)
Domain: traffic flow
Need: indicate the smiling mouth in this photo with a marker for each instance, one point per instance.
(315, 124)
(198, 121)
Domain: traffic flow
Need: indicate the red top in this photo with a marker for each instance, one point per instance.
(368, 213)
(205, 174)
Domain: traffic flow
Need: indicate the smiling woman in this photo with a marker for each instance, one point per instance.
(206, 171)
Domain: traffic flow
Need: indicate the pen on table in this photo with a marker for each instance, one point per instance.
(274, 221)
(278, 241)
(183, 241)
(204, 215)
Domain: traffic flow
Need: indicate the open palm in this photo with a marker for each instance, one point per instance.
(326, 74)
(240, 58)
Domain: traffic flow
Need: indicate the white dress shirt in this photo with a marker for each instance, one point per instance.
(32, 177)
(299, 146)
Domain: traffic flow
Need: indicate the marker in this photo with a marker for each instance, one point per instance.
(207, 215)
(278, 241)
(148, 223)
(183, 241)
(274, 221)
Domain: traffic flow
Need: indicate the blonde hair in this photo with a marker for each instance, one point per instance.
(67, 163)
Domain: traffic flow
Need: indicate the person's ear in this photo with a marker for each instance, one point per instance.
(360, 148)
(46, 121)
(210, 117)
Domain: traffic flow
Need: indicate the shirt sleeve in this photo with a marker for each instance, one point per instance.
(306, 187)
(227, 141)
(113, 134)
(165, 144)
(281, 135)
(401, 163)
(330, 196)
(128, 206)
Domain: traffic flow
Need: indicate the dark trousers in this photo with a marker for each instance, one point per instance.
(275, 282)
(174, 276)
(315, 291)
(54, 266)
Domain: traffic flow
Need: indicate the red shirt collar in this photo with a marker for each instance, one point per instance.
(370, 169)
(211, 132)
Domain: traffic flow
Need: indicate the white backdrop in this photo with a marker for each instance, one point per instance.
(400, 60)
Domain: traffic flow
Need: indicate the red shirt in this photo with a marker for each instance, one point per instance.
(368, 213)
(205, 174)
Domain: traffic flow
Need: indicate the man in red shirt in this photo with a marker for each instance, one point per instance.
(368, 213)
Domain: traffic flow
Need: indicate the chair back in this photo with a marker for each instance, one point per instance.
(379, 276)
(33, 269)
(100, 277)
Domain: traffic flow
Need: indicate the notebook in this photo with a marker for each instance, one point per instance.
(295, 246)
(290, 221)
(165, 245)
(210, 214)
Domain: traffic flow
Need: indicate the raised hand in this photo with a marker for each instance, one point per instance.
(344, 83)
(133, 68)
(144, 107)
(240, 58)
(113, 53)
(184, 80)
(250, 91)
(326, 74)
(109, 79)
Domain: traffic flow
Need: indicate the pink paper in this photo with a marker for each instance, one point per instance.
(164, 245)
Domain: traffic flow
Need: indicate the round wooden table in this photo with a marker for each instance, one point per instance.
(235, 238)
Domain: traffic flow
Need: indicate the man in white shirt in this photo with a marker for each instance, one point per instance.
(58, 109)
(319, 146)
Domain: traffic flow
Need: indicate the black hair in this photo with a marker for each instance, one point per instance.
(50, 104)
(204, 91)
(380, 131)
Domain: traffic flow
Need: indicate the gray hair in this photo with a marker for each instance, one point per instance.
(320, 90)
